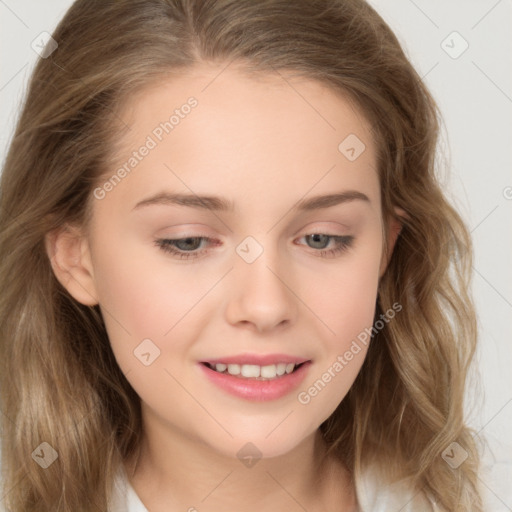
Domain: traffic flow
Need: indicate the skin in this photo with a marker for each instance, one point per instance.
(264, 145)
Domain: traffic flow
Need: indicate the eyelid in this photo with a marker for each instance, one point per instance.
(342, 244)
(325, 227)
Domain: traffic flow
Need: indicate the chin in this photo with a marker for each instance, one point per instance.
(259, 442)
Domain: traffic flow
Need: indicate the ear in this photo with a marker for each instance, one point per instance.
(395, 223)
(70, 258)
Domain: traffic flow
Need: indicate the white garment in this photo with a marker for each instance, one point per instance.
(125, 499)
(374, 496)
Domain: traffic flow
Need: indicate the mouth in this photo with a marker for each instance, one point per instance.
(254, 371)
(257, 377)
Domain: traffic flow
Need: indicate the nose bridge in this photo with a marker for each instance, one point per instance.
(261, 258)
(260, 294)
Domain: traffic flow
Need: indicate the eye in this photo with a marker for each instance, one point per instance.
(183, 248)
(192, 248)
(322, 240)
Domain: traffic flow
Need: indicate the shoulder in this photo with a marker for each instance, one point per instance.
(376, 494)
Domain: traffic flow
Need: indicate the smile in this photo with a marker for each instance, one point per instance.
(244, 378)
(254, 371)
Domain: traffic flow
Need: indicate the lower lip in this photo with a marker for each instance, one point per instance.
(257, 390)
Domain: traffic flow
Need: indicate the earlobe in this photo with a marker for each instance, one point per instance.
(69, 254)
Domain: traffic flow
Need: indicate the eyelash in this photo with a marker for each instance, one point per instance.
(166, 244)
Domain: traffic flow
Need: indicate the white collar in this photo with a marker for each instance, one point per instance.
(374, 495)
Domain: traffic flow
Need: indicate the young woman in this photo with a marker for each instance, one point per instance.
(230, 278)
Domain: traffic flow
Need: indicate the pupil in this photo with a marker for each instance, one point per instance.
(185, 243)
(323, 239)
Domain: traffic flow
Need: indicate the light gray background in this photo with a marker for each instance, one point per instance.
(474, 92)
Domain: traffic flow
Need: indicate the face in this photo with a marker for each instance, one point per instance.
(260, 276)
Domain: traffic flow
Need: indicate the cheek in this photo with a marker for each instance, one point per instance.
(344, 300)
(143, 295)
(138, 286)
(344, 294)
(319, 397)
(349, 314)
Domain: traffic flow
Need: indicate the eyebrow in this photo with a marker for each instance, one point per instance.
(216, 203)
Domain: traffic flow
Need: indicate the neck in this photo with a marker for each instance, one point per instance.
(175, 471)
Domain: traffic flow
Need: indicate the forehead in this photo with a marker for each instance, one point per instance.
(222, 91)
(220, 85)
(256, 134)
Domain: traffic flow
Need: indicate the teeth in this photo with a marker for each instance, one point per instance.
(281, 368)
(250, 370)
(253, 371)
(269, 372)
(234, 369)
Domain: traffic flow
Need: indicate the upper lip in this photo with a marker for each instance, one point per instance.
(257, 359)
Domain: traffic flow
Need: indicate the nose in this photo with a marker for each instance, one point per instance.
(262, 295)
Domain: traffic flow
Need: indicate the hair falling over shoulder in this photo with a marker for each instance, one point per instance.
(60, 383)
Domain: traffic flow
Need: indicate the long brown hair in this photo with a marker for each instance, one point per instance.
(60, 383)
